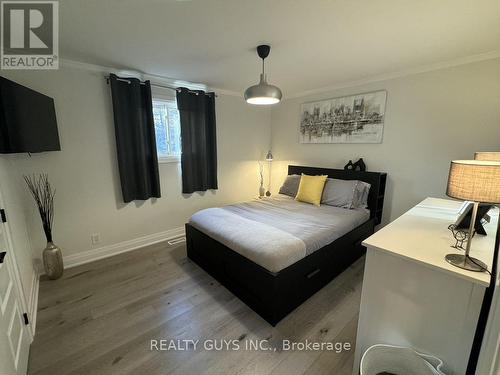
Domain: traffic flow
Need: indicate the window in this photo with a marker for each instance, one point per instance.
(168, 130)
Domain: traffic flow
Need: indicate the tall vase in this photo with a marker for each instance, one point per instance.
(262, 191)
(53, 261)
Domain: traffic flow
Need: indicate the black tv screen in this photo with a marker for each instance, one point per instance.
(27, 120)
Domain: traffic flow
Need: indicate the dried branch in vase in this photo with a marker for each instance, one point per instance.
(43, 194)
(261, 172)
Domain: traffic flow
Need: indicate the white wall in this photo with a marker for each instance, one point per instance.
(85, 174)
(431, 118)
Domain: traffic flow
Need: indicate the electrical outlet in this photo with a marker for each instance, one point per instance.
(95, 238)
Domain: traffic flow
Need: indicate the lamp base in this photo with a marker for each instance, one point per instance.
(466, 262)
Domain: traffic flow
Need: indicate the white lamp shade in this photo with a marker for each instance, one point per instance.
(487, 155)
(474, 180)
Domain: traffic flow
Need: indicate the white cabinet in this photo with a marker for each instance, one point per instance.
(412, 297)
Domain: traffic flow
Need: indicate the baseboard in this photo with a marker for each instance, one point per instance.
(92, 255)
(121, 247)
(33, 299)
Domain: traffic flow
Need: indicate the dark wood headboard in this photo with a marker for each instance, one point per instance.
(377, 181)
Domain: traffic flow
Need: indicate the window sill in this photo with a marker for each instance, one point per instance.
(171, 159)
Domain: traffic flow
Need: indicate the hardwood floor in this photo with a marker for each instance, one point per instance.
(100, 318)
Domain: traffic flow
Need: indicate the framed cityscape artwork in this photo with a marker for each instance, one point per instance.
(348, 119)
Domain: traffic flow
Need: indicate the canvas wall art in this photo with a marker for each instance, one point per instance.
(349, 119)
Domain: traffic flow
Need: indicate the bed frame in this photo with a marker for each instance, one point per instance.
(273, 295)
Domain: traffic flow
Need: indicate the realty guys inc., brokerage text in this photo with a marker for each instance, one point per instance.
(253, 345)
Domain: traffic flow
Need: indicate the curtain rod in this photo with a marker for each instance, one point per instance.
(156, 85)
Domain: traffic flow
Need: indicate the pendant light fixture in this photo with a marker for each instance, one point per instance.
(263, 93)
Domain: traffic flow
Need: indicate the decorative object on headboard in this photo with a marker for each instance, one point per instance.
(349, 166)
(359, 165)
(349, 119)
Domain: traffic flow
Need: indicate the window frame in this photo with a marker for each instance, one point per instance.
(165, 98)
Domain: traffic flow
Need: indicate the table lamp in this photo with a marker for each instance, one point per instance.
(269, 158)
(487, 155)
(477, 181)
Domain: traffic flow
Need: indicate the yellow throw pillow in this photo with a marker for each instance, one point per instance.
(311, 189)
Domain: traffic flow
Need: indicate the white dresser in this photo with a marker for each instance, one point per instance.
(412, 297)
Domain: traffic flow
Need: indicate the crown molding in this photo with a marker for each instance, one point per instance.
(146, 76)
(341, 85)
(226, 92)
(155, 78)
(402, 73)
(85, 66)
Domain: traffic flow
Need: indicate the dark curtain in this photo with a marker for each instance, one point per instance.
(199, 140)
(135, 138)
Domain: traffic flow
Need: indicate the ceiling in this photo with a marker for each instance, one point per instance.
(315, 43)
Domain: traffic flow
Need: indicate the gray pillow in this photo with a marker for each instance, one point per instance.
(345, 193)
(362, 189)
(291, 185)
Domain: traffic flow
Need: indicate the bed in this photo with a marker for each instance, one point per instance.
(275, 253)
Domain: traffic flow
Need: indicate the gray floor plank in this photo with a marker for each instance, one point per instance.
(100, 319)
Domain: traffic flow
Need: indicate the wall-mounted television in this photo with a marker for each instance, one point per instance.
(27, 120)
